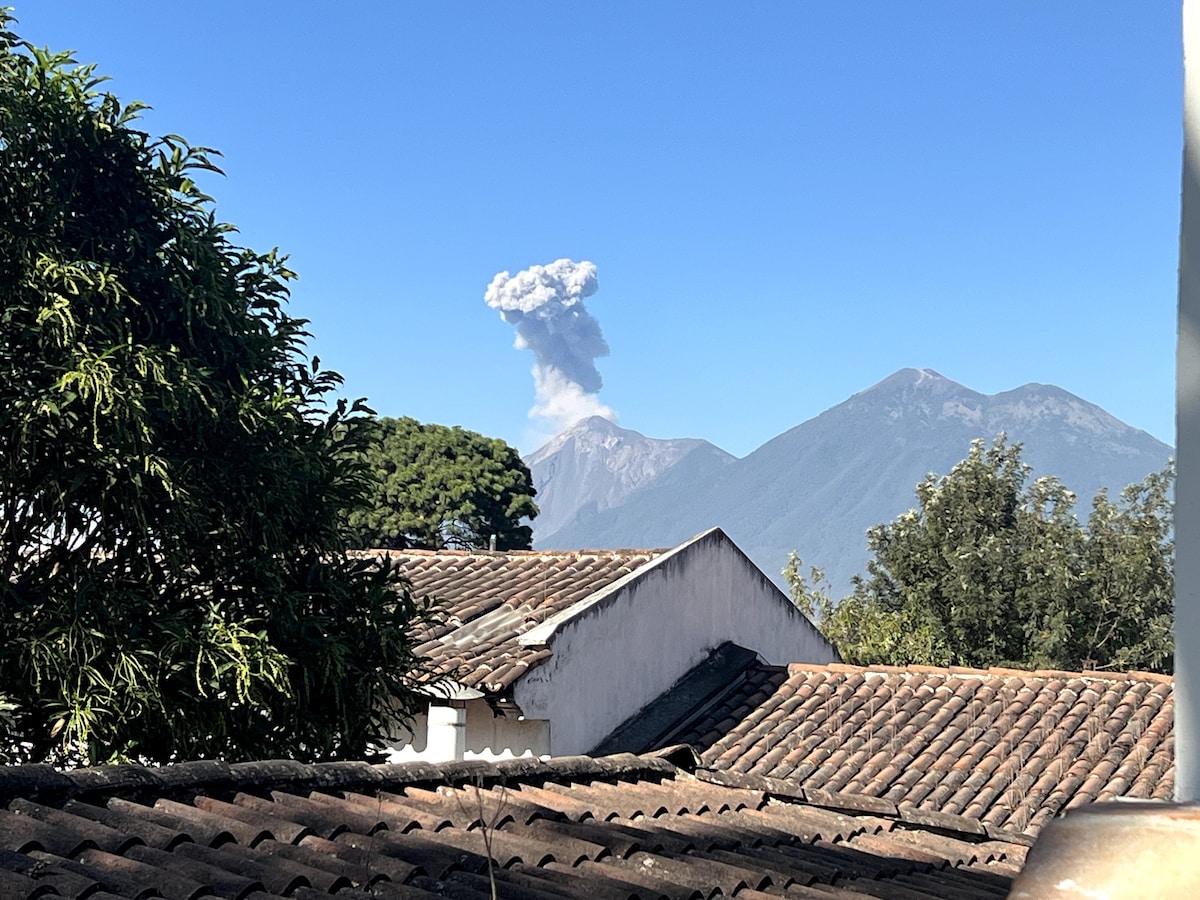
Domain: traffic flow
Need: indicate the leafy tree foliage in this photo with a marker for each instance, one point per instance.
(993, 569)
(173, 581)
(438, 487)
(863, 630)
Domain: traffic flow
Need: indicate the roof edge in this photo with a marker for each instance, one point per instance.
(390, 554)
(963, 827)
(968, 672)
(543, 634)
(47, 783)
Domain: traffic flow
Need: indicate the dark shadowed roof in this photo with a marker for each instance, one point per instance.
(490, 599)
(698, 700)
(1010, 748)
(613, 827)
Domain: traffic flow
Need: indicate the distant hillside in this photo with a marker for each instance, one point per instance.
(595, 465)
(817, 487)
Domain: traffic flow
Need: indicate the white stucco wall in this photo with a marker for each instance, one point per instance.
(488, 737)
(621, 648)
(501, 737)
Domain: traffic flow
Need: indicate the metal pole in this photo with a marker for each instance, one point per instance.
(1187, 431)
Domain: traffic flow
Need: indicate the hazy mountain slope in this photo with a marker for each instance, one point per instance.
(817, 487)
(596, 465)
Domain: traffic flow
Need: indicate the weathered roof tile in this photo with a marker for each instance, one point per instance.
(74, 827)
(489, 599)
(1000, 746)
(614, 827)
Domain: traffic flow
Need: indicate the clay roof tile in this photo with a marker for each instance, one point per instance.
(605, 828)
(997, 744)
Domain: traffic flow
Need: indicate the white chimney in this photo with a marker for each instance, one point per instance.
(446, 738)
(446, 725)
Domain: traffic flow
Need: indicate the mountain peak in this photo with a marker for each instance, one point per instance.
(595, 464)
(596, 423)
(905, 378)
(922, 390)
(819, 486)
(1047, 404)
(588, 431)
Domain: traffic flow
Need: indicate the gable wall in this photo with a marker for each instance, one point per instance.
(622, 649)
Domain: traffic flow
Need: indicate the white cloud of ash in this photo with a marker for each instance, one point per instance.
(545, 303)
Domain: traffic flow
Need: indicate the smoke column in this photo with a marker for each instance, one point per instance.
(546, 305)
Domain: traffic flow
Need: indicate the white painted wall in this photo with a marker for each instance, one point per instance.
(487, 737)
(621, 648)
(502, 737)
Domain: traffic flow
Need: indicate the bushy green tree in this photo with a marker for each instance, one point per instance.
(863, 631)
(1129, 577)
(436, 487)
(173, 581)
(995, 569)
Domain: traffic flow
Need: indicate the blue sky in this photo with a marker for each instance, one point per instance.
(785, 202)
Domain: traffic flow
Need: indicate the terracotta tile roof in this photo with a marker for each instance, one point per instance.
(1009, 747)
(758, 683)
(491, 598)
(698, 708)
(613, 827)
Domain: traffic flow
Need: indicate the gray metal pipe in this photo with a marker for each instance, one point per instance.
(1187, 432)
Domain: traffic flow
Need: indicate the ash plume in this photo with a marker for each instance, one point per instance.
(546, 305)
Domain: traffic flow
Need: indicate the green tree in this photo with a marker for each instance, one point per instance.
(1129, 573)
(436, 487)
(173, 581)
(995, 569)
(864, 631)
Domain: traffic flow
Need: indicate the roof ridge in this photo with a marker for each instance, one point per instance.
(967, 827)
(797, 668)
(43, 782)
(503, 554)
